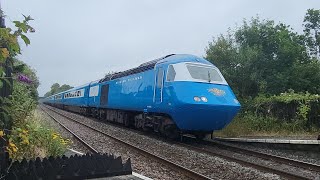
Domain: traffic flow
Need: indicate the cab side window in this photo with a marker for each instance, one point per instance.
(171, 73)
(159, 78)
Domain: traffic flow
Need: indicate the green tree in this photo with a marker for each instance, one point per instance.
(312, 31)
(56, 88)
(65, 87)
(263, 57)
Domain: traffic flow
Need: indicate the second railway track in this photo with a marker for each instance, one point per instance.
(206, 149)
(263, 167)
(297, 163)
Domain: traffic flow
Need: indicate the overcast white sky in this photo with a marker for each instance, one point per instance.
(78, 41)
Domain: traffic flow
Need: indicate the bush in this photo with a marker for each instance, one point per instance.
(21, 103)
(29, 138)
(285, 114)
(34, 139)
(251, 124)
(290, 107)
(20, 130)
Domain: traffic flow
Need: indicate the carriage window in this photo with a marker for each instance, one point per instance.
(171, 73)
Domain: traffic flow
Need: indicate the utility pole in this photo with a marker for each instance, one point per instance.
(2, 24)
(6, 89)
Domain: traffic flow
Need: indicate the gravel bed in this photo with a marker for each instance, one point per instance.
(103, 144)
(304, 156)
(75, 144)
(214, 167)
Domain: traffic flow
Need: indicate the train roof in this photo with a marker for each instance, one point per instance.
(171, 58)
(177, 58)
(143, 67)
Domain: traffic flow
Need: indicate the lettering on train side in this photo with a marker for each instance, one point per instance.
(129, 80)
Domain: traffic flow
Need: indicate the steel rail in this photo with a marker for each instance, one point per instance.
(93, 150)
(263, 168)
(284, 160)
(190, 173)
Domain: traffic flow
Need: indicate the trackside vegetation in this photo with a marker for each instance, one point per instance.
(275, 73)
(22, 133)
(29, 137)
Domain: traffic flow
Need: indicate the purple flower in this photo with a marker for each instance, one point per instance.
(24, 78)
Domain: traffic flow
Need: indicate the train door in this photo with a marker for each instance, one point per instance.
(158, 85)
(104, 95)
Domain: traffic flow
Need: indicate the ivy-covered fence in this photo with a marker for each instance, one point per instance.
(290, 107)
(286, 114)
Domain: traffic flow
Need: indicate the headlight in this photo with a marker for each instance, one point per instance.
(204, 99)
(236, 101)
(196, 98)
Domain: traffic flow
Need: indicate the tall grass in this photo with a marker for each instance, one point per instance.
(34, 139)
(250, 124)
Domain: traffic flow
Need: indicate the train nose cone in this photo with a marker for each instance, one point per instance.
(206, 117)
(203, 106)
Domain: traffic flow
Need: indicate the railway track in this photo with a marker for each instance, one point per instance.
(84, 143)
(269, 169)
(204, 147)
(284, 160)
(190, 173)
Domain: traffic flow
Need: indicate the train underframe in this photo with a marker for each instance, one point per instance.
(158, 123)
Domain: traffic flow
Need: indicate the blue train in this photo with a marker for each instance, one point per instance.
(171, 95)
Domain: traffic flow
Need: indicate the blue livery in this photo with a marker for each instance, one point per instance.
(176, 93)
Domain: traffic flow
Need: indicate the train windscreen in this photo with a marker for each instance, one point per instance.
(204, 73)
(195, 73)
